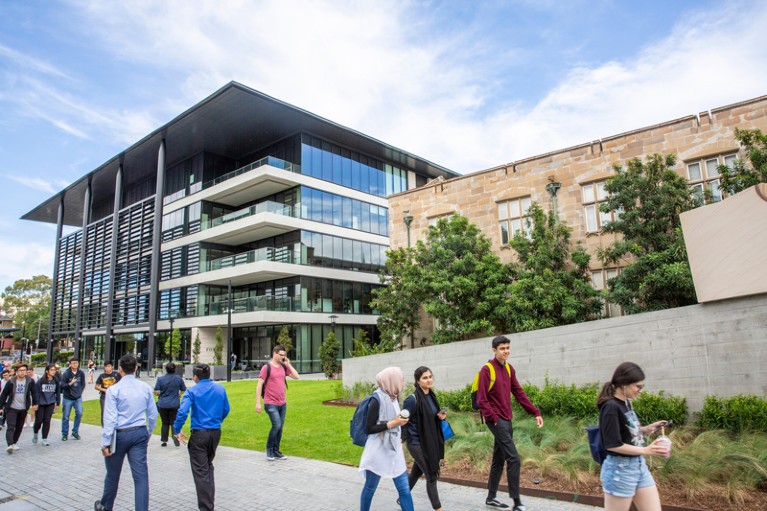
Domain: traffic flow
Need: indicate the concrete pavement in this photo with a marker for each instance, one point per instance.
(70, 475)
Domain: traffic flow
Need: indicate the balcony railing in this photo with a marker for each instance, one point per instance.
(256, 304)
(269, 160)
(278, 255)
(263, 207)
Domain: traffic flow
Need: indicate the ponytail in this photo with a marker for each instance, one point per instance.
(625, 374)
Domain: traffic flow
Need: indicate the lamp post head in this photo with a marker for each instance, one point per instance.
(333, 319)
(408, 219)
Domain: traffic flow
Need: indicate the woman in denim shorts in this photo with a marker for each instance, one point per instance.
(625, 476)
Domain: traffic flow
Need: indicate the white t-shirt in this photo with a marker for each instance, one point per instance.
(380, 459)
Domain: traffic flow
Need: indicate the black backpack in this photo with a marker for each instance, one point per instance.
(269, 373)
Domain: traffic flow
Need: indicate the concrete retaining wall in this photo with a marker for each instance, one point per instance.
(716, 348)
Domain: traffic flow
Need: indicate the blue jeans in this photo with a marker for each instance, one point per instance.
(67, 411)
(371, 483)
(277, 416)
(622, 476)
(132, 444)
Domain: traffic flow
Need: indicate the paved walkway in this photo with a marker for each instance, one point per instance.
(70, 475)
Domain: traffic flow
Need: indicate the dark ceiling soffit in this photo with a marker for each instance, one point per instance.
(74, 193)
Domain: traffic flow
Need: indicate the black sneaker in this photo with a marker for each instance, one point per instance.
(176, 442)
(63, 438)
(76, 436)
(520, 508)
(278, 455)
(497, 504)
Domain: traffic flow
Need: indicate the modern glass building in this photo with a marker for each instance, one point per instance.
(241, 190)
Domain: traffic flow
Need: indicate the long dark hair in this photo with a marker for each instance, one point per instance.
(48, 368)
(625, 374)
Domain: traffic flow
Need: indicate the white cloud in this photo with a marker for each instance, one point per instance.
(41, 184)
(22, 260)
(27, 61)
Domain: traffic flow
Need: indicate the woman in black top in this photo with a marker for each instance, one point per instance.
(624, 474)
(423, 434)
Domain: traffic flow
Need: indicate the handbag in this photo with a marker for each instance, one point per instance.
(447, 431)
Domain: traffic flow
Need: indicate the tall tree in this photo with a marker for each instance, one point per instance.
(399, 301)
(364, 346)
(29, 301)
(741, 176)
(173, 344)
(648, 198)
(218, 349)
(463, 280)
(196, 349)
(329, 354)
(551, 284)
(284, 339)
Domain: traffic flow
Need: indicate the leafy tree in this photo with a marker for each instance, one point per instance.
(173, 344)
(648, 198)
(329, 354)
(740, 176)
(363, 346)
(550, 284)
(400, 300)
(463, 280)
(29, 301)
(284, 339)
(196, 349)
(218, 349)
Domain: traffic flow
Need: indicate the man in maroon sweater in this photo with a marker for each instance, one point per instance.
(495, 405)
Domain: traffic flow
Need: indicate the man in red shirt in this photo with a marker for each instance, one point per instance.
(272, 384)
(494, 402)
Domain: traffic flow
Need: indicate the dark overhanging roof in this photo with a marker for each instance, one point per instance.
(234, 122)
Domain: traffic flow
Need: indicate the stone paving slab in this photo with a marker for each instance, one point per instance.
(69, 475)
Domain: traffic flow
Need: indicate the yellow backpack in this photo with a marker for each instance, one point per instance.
(475, 384)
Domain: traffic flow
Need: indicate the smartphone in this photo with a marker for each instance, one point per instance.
(667, 424)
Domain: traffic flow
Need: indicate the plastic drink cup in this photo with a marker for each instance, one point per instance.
(405, 414)
(665, 442)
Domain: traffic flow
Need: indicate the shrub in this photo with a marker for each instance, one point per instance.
(38, 359)
(329, 355)
(652, 407)
(456, 400)
(562, 400)
(358, 391)
(736, 414)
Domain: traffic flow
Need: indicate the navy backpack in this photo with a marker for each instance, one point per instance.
(598, 453)
(358, 424)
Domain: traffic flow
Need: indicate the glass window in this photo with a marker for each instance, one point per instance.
(729, 160)
(338, 167)
(356, 171)
(347, 172)
(693, 171)
(512, 216)
(594, 195)
(711, 168)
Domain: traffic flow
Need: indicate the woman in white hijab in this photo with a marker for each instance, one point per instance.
(383, 455)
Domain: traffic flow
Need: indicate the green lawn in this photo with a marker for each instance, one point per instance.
(312, 430)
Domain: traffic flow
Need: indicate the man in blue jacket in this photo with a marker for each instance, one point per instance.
(72, 386)
(209, 407)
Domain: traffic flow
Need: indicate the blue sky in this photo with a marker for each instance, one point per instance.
(468, 85)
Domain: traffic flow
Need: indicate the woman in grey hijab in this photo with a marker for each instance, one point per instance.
(383, 455)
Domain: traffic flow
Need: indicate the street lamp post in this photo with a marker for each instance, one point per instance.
(408, 219)
(171, 316)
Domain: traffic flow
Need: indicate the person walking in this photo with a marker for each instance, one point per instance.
(91, 370)
(169, 388)
(272, 386)
(624, 472)
(209, 406)
(382, 455)
(233, 360)
(497, 379)
(72, 386)
(105, 380)
(18, 395)
(6, 377)
(130, 415)
(48, 398)
(423, 434)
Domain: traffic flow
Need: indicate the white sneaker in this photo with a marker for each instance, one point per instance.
(9, 450)
(45, 442)
(15, 447)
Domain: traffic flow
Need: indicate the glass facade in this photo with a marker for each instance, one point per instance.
(327, 161)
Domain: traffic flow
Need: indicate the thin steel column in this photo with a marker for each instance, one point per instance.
(155, 268)
(109, 337)
(54, 294)
(81, 271)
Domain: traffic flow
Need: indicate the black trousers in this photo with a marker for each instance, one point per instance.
(14, 419)
(43, 419)
(420, 467)
(202, 449)
(168, 417)
(504, 451)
